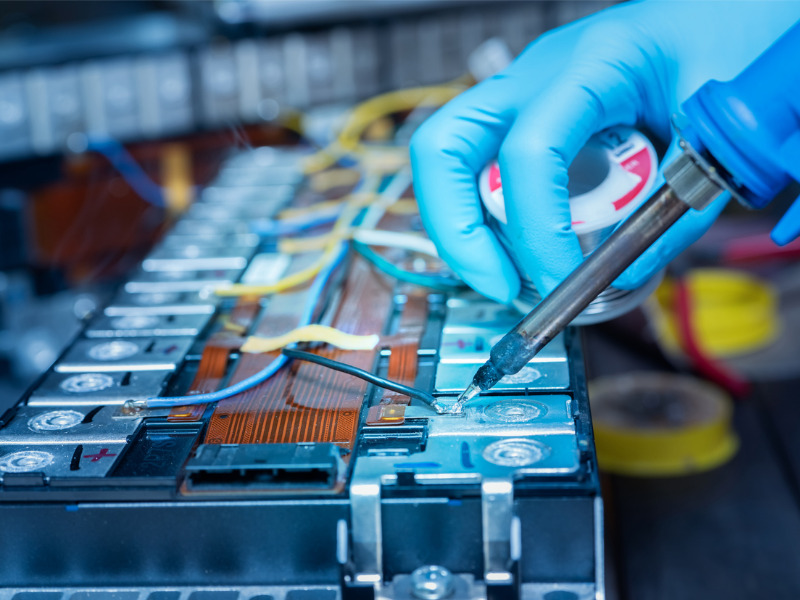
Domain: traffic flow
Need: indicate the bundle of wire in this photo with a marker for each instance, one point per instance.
(314, 295)
(324, 268)
(369, 222)
(336, 247)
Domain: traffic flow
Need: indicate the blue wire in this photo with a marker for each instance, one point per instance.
(314, 295)
(273, 228)
(130, 170)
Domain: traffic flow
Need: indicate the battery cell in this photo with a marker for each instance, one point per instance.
(535, 376)
(465, 315)
(212, 240)
(197, 256)
(188, 226)
(474, 346)
(125, 354)
(147, 325)
(162, 303)
(73, 425)
(57, 461)
(267, 191)
(181, 281)
(95, 389)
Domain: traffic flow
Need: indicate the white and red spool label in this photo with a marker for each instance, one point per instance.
(627, 163)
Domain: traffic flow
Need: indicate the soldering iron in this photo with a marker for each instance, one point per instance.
(741, 136)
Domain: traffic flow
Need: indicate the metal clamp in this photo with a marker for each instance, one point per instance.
(501, 532)
(367, 538)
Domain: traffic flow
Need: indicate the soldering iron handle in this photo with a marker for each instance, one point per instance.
(751, 127)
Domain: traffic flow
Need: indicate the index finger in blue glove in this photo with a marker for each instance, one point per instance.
(536, 154)
(447, 152)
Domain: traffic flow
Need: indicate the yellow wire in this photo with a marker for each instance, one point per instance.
(315, 209)
(404, 206)
(311, 333)
(360, 199)
(310, 244)
(328, 180)
(282, 285)
(349, 140)
(342, 225)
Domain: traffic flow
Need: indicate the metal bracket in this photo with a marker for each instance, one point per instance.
(599, 550)
(501, 538)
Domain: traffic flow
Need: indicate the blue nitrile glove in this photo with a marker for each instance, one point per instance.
(628, 65)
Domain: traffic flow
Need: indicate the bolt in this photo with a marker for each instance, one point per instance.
(431, 582)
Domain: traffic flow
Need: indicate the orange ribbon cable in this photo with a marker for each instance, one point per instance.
(214, 360)
(402, 366)
(307, 402)
(210, 372)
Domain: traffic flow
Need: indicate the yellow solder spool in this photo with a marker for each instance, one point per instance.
(660, 424)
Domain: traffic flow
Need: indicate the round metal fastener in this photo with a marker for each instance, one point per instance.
(87, 382)
(431, 582)
(116, 350)
(516, 452)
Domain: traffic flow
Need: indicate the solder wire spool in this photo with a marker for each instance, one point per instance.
(660, 424)
(608, 179)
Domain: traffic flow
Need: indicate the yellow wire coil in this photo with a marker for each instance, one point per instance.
(732, 312)
(660, 424)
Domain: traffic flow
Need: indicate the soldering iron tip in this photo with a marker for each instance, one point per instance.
(469, 393)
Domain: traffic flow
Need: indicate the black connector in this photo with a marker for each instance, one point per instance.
(268, 467)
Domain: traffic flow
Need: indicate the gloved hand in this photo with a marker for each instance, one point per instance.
(628, 65)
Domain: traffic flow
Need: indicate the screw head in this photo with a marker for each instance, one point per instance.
(431, 582)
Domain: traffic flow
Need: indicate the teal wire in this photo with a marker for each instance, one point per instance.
(436, 282)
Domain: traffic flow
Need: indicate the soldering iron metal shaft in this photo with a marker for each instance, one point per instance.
(692, 182)
(575, 293)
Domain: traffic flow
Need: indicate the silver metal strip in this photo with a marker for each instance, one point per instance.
(367, 537)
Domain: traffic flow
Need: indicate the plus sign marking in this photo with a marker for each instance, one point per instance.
(102, 454)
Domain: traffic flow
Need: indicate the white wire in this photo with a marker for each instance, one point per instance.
(390, 195)
(395, 239)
